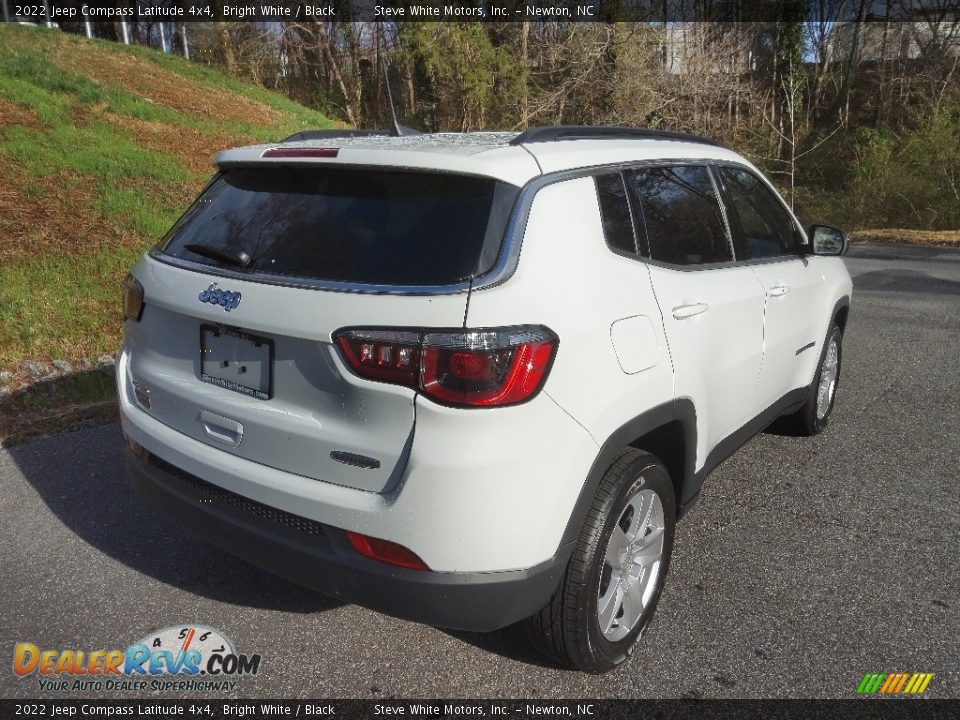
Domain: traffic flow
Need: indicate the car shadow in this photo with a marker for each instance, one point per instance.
(784, 426)
(80, 478)
(509, 642)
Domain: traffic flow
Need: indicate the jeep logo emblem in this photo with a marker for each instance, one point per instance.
(215, 296)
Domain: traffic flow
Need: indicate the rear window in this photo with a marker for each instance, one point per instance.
(347, 225)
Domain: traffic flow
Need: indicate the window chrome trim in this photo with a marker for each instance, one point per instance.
(309, 283)
(525, 201)
(516, 228)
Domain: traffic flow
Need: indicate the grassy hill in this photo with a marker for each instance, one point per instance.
(102, 147)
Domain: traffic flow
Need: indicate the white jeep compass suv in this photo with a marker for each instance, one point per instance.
(474, 379)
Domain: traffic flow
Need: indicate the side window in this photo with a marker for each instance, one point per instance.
(767, 230)
(615, 213)
(679, 210)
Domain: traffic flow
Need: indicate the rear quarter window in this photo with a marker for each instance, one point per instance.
(615, 213)
(349, 225)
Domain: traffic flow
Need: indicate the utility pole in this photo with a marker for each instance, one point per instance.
(186, 43)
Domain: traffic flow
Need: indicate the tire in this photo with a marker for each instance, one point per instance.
(635, 494)
(812, 418)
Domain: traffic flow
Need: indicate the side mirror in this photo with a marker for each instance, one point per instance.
(827, 240)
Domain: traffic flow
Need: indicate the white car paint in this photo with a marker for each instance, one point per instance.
(477, 490)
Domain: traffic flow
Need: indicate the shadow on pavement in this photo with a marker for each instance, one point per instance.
(910, 281)
(80, 477)
(509, 642)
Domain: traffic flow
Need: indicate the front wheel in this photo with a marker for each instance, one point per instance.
(616, 573)
(814, 416)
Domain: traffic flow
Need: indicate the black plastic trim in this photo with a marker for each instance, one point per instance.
(843, 302)
(791, 402)
(738, 438)
(320, 556)
(682, 410)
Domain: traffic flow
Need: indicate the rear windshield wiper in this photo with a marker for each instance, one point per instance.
(227, 255)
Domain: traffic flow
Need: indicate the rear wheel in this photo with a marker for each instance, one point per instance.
(616, 573)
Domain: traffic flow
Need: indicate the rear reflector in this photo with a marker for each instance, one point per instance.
(468, 368)
(300, 153)
(136, 448)
(386, 552)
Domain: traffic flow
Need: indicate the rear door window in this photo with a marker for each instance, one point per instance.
(766, 228)
(615, 213)
(680, 215)
(348, 225)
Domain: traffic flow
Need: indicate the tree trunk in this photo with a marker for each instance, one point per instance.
(525, 59)
(226, 48)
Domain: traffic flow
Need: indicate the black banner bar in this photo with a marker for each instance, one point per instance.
(193, 11)
(855, 709)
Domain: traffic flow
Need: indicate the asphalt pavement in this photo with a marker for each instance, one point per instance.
(806, 563)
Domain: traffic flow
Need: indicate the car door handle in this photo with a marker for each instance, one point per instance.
(681, 312)
(779, 290)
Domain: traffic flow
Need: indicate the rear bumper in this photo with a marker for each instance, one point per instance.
(319, 556)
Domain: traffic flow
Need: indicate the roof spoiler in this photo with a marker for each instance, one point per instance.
(556, 133)
(332, 135)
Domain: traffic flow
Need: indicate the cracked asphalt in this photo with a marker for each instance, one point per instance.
(807, 562)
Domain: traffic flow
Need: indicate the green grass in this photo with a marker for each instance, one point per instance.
(92, 155)
(62, 307)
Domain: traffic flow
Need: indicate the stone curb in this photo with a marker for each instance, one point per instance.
(31, 373)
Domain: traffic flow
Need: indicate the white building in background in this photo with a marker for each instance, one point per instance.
(896, 40)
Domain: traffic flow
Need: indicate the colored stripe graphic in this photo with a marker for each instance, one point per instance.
(901, 681)
(866, 685)
(894, 683)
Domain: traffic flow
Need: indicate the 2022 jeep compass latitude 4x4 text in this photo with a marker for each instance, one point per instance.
(474, 379)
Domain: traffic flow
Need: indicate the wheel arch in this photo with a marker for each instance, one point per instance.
(668, 431)
(840, 312)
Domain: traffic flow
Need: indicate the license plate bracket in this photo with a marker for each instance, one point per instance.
(237, 361)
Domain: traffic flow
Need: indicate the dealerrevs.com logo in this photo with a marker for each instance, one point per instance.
(182, 658)
(901, 683)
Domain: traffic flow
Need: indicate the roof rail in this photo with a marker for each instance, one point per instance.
(332, 135)
(555, 133)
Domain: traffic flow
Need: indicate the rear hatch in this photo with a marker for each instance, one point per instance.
(234, 347)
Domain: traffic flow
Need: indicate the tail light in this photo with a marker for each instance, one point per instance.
(132, 292)
(466, 368)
